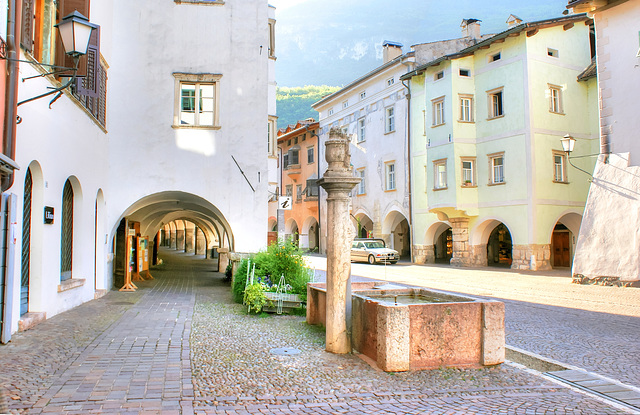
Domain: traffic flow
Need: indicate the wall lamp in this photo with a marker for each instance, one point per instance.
(568, 143)
(75, 32)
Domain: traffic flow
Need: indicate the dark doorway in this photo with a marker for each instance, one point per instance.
(561, 246)
(443, 248)
(499, 247)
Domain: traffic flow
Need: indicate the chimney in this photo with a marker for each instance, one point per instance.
(391, 50)
(471, 29)
(513, 20)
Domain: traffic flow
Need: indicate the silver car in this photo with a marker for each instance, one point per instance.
(372, 251)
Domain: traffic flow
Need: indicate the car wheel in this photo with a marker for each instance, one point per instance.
(371, 259)
(394, 262)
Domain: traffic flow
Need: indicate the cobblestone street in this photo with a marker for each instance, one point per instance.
(179, 345)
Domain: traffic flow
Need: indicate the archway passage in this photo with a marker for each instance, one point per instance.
(180, 216)
(563, 240)
(499, 247)
(310, 237)
(363, 225)
(443, 247)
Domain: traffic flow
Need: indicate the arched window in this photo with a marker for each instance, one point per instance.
(26, 244)
(66, 241)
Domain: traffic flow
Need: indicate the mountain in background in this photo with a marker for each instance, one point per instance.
(294, 104)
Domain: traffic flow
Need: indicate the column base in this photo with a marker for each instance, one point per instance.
(424, 254)
(534, 257)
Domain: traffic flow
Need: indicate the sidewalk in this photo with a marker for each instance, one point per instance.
(180, 345)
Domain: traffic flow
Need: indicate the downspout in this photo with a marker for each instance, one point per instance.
(409, 168)
(11, 96)
(318, 174)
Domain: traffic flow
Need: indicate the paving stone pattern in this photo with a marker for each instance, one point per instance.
(180, 345)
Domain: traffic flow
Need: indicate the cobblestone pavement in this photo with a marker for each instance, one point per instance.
(180, 345)
(592, 327)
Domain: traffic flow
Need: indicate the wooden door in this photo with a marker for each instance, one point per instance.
(561, 249)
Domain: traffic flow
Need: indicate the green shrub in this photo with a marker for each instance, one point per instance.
(279, 259)
(254, 298)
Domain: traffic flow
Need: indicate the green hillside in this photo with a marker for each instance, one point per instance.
(294, 104)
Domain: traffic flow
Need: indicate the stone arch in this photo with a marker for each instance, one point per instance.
(309, 237)
(562, 239)
(396, 232)
(362, 223)
(439, 237)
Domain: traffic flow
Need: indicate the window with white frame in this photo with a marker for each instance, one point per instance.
(496, 102)
(330, 111)
(466, 108)
(289, 190)
(389, 120)
(495, 57)
(424, 122)
(390, 174)
(390, 81)
(361, 130)
(555, 99)
(438, 75)
(197, 100)
(465, 73)
(362, 187)
(438, 111)
(272, 38)
(559, 167)
(271, 136)
(440, 174)
(468, 171)
(496, 168)
(552, 52)
(345, 104)
(363, 95)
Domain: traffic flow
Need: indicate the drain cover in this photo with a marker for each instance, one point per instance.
(285, 351)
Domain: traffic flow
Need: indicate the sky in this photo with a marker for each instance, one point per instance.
(333, 42)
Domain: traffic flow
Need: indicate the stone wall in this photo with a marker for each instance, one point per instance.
(522, 257)
(424, 254)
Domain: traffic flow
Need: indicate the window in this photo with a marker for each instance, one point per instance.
(271, 136)
(294, 155)
(344, 130)
(438, 75)
(362, 189)
(345, 104)
(496, 106)
(424, 122)
(555, 99)
(361, 130)
(363, 95)
(298, 193)
(312, 188)
(389, 123)
(440, 174)
(311, 156)
(289, 190)
(559, 169)
(390, 173)
(272, 38)
(438, 111)
(66, 239)
(197, 97)
(468, 172)
(390, 81)
(552, 52)
(495, 57)
(330, 111)
(466, 108)
(496, 168)
(465, 72)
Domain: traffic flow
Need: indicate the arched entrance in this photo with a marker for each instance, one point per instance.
(563, 240)
(180, 211)
(363, 225)
(292, 233)
(443, 247)
(309, 239)
(395, 230)
(499, 247)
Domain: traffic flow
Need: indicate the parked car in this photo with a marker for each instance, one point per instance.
(372, 251)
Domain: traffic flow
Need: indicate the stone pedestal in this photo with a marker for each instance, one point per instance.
(338, 181)
(223, 259)
(424, 254)
(461, 256)
(534, 257)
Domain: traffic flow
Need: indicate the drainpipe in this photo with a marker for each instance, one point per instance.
(411, 232)
(11, 96)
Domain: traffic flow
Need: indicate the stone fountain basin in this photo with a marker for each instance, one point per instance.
(425, 329)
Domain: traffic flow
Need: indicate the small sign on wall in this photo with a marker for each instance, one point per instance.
(48, 215)
(285, 202)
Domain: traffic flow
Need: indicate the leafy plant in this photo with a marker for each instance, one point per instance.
(228, 273)
(254, 297)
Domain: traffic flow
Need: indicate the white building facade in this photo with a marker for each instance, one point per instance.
(372, 110)
(608, 244)
(175, 130)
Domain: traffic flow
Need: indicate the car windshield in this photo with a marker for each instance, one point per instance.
(372, 245)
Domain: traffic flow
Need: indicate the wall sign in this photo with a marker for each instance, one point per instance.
(285, 202)
(48, 215)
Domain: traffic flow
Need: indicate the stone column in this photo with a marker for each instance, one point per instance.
(223, 259)
(337, 181)
(189, 237)
(424, 254)
(460, 233)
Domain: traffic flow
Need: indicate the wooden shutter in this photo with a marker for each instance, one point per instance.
(26, 35)
(65, 8)
(90, 84)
